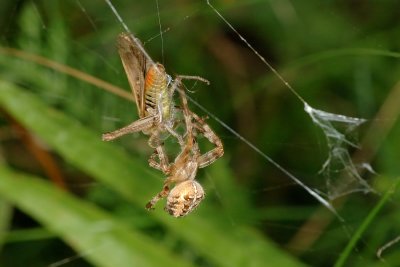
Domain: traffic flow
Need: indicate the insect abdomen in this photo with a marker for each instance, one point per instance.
(156, 90)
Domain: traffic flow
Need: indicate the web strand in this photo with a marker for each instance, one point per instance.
(126, 29)
(265, 156)
(161, 31)
(255, 52)
(325, 117)
(337, 142)
(240, 137)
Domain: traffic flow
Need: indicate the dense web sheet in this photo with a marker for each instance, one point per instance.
(341, 173)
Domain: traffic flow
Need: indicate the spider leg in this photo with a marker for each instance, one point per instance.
(215, 153)
(177, 85)
(192, 147)
(185, 107)
(164, 192)
(153, 162)
(175, 134)
(136, 126)
(188, 77)
(178, 81)
(162, 164)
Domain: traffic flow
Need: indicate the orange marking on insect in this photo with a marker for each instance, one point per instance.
(155, 76)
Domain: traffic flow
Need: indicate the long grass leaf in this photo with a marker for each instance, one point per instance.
(94, 233)
(225, 244)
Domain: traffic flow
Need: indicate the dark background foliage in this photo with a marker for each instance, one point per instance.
(340, 56)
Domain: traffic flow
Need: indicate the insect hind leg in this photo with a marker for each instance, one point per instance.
(136, 126)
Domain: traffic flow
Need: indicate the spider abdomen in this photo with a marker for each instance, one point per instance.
(184, 198)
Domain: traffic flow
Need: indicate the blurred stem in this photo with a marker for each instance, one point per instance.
(82, 76)
(5, 220)
(371, 216)
(25, 235)
(42, 155)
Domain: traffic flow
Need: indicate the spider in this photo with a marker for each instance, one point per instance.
(153, 90)
(187, 193)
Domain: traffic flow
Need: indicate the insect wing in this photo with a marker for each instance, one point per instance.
(134, 62)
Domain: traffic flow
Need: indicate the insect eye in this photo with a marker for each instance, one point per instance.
(184, 198)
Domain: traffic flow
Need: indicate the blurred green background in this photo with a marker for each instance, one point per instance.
(69, 199)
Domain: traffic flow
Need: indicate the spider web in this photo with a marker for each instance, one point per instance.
(339, 174)
(339, 160)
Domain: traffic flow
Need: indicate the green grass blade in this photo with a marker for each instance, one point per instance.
(221, 242)
(32, 234)
(94, 233)
(5, 220)
(363, 227)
